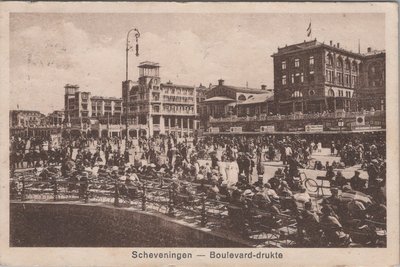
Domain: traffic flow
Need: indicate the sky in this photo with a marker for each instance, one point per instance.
(49, 50)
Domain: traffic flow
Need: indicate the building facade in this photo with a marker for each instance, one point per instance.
(156, 108)
(91, 115)
(372, 92)
(313, 77)
(26, 118)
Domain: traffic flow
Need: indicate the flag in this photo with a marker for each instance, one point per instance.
(309, 30)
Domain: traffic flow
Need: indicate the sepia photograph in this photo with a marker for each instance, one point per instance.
(199, 130)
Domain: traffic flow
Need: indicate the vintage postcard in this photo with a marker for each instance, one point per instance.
(199, 134)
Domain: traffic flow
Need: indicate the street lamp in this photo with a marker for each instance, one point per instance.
(340, 124)
(128, 48)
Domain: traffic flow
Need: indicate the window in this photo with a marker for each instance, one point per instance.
(354, 67)
(311, 61)
(284, 65)
(301, 77)
(297, 93)
(329, 76)
(283, 79)
(347, 66)
(339, 63)
(353, 80)
(340, 77)
(292, 78)
(340, 92)
(331, 92)
(297, 63)
(329, 60)
(347, 80)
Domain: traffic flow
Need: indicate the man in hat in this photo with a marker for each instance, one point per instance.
(357, 183)
(259, 182)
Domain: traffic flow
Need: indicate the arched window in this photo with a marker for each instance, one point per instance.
(339, 63)
(331, 92)
(354, 66)
(329, 59)
(347, 65)
(297, 93)
(241, 98)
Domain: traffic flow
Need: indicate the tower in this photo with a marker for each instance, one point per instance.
(149, 74)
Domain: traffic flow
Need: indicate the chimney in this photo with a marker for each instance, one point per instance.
(330, 42)
(338, 45)
(220, 82)
(263, 87)
(369, 49)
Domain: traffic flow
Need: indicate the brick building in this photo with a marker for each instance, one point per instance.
(313, 77)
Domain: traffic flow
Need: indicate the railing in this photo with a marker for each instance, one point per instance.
(161, 195)
(263, 117)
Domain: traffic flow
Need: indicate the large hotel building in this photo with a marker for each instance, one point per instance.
(158, 108)
(313, 77)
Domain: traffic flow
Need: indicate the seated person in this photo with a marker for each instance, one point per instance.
(213, 191)
(224, 193)
(339, 180)
(318, 165)
(259, 182)
(332, 227)
(270, 193)
(284, 190)
(279, 173)
(275, 182)
(308, 222)
(243, 183)
(302, 197)
(329, 171)
(357, 183)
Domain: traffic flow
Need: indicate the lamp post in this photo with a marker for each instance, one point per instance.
(128, 48)
(340, 124)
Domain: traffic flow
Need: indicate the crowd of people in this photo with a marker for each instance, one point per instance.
(194, 167)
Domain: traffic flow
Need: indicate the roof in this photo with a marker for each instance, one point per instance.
(219, 98)
(106, 98)
(260, 98)
(242, 89)
(169, 84)
(148, 64)
(311, 45)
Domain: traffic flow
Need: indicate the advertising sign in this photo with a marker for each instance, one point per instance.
(236, 129)
(314, 128)
(267, 129)
(213, 129)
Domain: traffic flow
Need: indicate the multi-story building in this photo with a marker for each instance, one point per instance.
(31, 123)
(371, 93)
(315, 84)
(158, 108)
(56, 118)
(312, 77)
(26, 118)
(94, 115)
